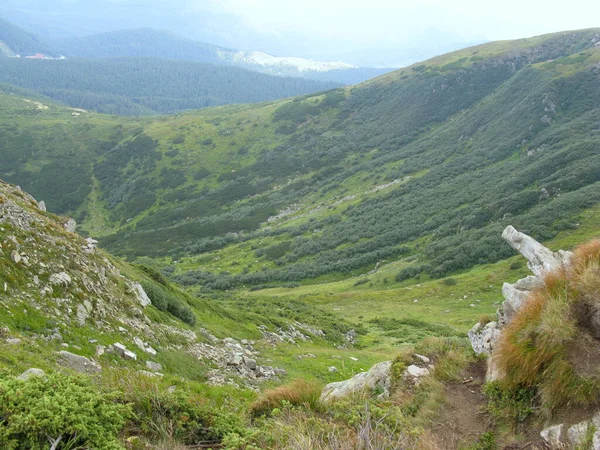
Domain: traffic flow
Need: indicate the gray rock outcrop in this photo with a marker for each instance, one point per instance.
(30, 373)
(77, 363)
(377, 378)
(541, 261)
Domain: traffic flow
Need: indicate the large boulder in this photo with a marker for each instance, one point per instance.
(378, 377)
(77, 363)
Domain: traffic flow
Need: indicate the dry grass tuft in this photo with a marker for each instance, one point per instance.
(536, 348)
(298, 393)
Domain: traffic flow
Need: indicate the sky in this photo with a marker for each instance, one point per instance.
(389, 22)
(379, 33)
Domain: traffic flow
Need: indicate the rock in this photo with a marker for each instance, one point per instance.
(42, 205)
(596, 441)
(153, 366)
(378, 377)
(146, 373)
(171, 389)
(353, 358)
(62, 278)
(129, 355)
(333, 369)
(119, 348)
(250, 363)
(150, 350)
(554, 436)
(141, 294)
(15, 257)
(422, 358)
(414, 373)
(78, 363)
(236, 360)
(577, 433)
(541, 260)
(4, 331)
(279, 372)
(13, 341)
(483, 338)
(70, 225)
(100, 349)
(30, 373)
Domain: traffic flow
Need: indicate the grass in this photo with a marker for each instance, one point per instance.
(537, 347)
(298, 393)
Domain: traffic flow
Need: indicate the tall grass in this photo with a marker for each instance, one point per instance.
(536, 348)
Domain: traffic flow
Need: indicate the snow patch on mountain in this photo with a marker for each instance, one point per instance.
(266, 60)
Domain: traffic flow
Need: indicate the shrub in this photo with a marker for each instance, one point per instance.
(450, 282)
(166, 300)
(58, 411)
(298, 393)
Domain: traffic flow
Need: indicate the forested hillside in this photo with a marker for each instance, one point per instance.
(423, 167)
(16, 41)
(145, 86)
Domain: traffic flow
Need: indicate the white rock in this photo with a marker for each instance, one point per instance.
(554, 436)
(378, 377)
(60, 278)
(576, 434)
(42, 205)
(129, 355)
(153, 366)
(30, 373)
(78, 363)
(423, 358)
(141, 295)
(333, 369)
(416, 371)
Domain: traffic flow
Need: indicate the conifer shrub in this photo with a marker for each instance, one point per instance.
(58, 412)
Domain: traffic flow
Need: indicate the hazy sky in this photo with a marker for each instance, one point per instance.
(393, 21)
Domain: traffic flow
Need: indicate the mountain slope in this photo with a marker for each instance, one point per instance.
(140, 86)
(16, 41)
(422, 166)
(148, 43)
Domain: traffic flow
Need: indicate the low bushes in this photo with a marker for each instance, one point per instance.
(166, 300)
(58, 412)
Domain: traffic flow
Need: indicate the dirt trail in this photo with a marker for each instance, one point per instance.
(463, 418)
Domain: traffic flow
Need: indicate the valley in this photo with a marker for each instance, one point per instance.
(306, 238)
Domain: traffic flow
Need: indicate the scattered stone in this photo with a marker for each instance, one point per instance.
(100, 350)
(171, 389)
(353, 358)
(415, 372)
(333, 369)
(62, 278)
(554, 436)
(15, 257)
(13, 341)
(78, 363)
(378, 377)
(153, 366)
(141, 295)
(422, 358)
(577, 433)
(146, 373)
(250, 363)
(42, 205)
(71, 225)
(30, 373)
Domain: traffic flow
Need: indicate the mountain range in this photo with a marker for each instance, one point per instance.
(303, 272)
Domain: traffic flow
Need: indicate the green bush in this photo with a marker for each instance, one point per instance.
(166, 300)
(59, 411)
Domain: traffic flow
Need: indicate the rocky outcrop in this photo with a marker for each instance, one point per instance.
(77, 363)
(562, 436)
(377, 378)
(541, 261)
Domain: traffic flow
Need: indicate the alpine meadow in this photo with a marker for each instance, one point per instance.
(322, 271)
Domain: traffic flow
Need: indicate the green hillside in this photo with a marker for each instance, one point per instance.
(423, 166)
(148, 86)
(16, 41)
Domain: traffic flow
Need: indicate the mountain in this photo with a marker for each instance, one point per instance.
(419, 168)
(303, 273)
(149, 43)
(16, 41)
(147, 86)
